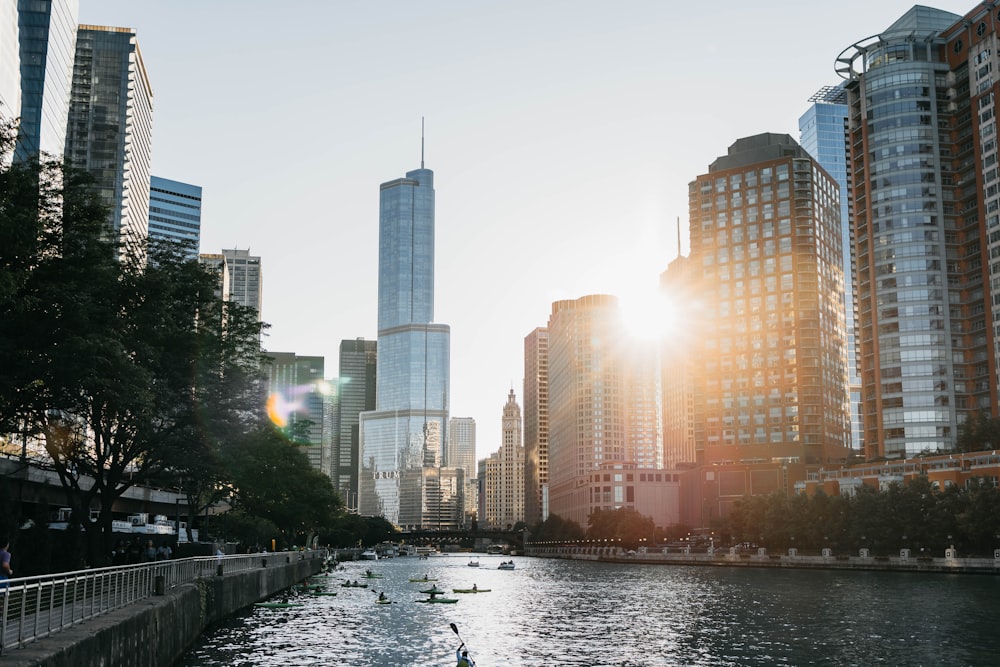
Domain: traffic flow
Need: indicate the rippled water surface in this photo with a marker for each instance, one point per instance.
(556, 612)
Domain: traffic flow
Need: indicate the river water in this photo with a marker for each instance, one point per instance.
(560, 612)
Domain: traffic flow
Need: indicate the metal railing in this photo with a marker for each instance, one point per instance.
(36, 607)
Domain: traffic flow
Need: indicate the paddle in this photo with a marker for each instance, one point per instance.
(455, 629)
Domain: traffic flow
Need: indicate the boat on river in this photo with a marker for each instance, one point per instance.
(353, 584)
(474, 562)
(506, 565)
(471, 590)
(433, 596)
(414, 580)
(369, 554)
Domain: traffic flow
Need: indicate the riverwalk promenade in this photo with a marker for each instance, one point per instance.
(144, 615)
(950, 563)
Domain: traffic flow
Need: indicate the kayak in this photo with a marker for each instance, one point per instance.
(354, 585)
(413, 581)
(471, 590)
(433, 590)
(383, 601)
(440, 600)
(277, 605)
(319, 593)
(373, 575)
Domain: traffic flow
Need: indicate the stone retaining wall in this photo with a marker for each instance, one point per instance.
(157, 631)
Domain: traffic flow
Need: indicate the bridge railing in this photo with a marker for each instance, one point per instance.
(36, 607)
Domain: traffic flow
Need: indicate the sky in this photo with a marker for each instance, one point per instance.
(562, 135)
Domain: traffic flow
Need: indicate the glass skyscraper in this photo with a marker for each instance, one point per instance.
(356, 394)
(822, 132)
(175, 213)
(110, 128)
(46, 42)
(402, 439)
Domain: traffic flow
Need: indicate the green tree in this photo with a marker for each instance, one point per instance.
(557, 529)
(981, 431)
(624, 525)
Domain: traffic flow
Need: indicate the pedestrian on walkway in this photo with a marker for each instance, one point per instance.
(5, 570)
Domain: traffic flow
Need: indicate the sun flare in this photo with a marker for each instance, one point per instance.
(649, 315)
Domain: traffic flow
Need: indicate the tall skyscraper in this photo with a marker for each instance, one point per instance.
(110, 130)
(217, 263)
(677, 365)
(461, 454)
(461, 450)
(536, 426)
(45, 44)
(175, 213)
(246, 278)
(823, 133)
(402, 440)
(295, 400)
(10, 62)
(600, 412)
(356, 392)
(766, 345)
(923, 167)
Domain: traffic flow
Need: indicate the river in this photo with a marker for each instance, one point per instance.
(561, 612)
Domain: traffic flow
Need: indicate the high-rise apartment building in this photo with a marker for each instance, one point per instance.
(766, 345)
(922, 147)
(110, 129)
(823, 133)
(246, 278)
(402, 441)
(217, 263)
(677, 365)
(356, 392)
(43, 49)
(175, 213)
(602, 409)
(295, 400)
(536, 426)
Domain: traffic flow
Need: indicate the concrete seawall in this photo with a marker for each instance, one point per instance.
(155, 632)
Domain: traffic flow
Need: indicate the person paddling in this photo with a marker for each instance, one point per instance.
(462, 655)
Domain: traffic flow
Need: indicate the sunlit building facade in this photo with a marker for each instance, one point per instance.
(536, 426)
(110, 131)
(461, 453)
(601, 386)
(926, 209)
(401, 473)
(768, 345)
(175, 213)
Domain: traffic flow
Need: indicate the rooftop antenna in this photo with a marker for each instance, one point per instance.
(421, 142)
(678, 236)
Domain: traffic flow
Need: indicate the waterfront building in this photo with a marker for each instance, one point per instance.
(110, 128)
(921, 100)
(246, 278)
(39, 59)
(601, 405)
(295, 400)
(504, 484)
(767, 347)
(356, 394)
(401, 472)
(536, 426)
(823, 133)
(175, 213)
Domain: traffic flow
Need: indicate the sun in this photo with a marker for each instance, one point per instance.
(649, 314)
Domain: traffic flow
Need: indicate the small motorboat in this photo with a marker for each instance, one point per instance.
(474, 562)
(506, 565)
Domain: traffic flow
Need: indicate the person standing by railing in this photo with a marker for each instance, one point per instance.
(5, 570)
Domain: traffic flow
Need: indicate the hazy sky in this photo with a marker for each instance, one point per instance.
(562, 135)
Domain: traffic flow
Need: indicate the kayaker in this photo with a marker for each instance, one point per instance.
(462, 655)
(381, 596)
(474, 587)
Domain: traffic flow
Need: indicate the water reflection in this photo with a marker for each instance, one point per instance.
(555, 612)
